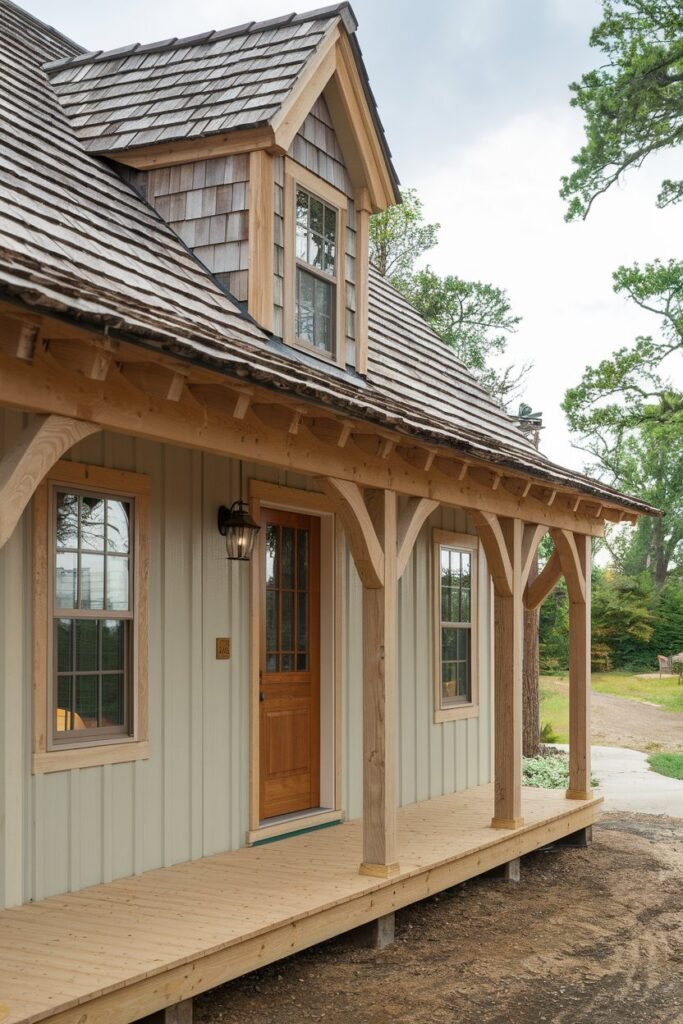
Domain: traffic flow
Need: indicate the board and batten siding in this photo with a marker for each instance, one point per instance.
(67, 830)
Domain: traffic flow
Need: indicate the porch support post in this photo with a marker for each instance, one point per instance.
(508, 648)
(580, 676)
(380, 710)
(506, 545)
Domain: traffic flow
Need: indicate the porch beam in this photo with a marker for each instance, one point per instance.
(44, 386)
(574, 553)
(41, 445)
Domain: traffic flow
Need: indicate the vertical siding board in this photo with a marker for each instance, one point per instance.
(122, 818)
(218, 675)
(197, 647)
(177, 553)
(91, 825)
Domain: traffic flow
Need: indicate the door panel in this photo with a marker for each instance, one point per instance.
(289, 738)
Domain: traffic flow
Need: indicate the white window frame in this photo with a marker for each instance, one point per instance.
(51, 753)
(297, 177)
(458, 542)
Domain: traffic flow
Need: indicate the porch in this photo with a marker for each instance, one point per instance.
(117, 952)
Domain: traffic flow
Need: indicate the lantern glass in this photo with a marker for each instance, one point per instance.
(239, 530)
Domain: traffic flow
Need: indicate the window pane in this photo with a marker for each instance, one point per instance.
(302, 622)
(67, 521)
(65, 645)
(449, 644)
(448, 681)
(302, 208)
(302, 559)
(271, 553)
(287, 663)
(118, 592)
(66, 577)
(92, 523)
(316, 216)
(271, 620)
(330, 239)
(301, 243)
(118, 526)
(113, 702)
(87, 701)
(63, 718)
(315, 250)
(91, 579)
(301, 662)
(87, 645)
(287, 558)
(113, 648)
(287, 621)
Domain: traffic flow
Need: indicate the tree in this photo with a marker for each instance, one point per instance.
(473, 317)
(623, 617)
(633, 103)
(399, 236)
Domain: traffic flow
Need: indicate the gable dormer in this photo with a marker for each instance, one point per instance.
(261, 147)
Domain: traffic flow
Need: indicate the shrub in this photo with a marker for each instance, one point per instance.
(548, 771)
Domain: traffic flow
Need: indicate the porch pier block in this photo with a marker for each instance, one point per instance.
(178, 1013)
(508, 646)
(380, 711)
(580, 682)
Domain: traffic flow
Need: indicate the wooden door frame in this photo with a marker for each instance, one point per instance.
(311, 503)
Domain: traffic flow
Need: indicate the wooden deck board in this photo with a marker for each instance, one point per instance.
(144, 942)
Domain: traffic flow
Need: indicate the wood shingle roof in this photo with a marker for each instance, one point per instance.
(76, 240)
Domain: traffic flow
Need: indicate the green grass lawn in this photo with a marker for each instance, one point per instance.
(667, 764)
(666, 693)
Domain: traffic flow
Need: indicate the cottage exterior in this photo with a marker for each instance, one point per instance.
(187, 317)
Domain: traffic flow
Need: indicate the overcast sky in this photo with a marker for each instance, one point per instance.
(473, 96)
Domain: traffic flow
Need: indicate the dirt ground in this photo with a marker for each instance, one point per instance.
(592, 935)
(619, 722)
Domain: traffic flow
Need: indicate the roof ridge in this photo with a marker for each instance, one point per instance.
(342, 10)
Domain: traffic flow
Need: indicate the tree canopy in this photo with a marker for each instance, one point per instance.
(632, 103)
(473, 317)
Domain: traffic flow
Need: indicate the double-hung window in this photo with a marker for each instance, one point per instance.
(89, 595)
(455, 608)
(316, 272)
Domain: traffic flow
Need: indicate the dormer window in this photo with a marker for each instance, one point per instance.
(316, 272)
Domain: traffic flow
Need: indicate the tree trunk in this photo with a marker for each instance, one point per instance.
(531, 726)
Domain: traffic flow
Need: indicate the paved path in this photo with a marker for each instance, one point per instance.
(628, 784)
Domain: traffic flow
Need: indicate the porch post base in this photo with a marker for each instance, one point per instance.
(579, 839)
(507, 822)
(376, 934)
(179, 1013)
(578, 794)
(379, 870)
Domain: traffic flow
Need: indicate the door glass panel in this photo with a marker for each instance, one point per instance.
(302, 559)
(287, 621)
(302, 622)
(271, 624)
(287, 582)
(271, 551)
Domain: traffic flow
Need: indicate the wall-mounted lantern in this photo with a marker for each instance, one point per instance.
(239, 530)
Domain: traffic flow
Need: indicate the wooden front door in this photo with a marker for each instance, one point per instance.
(289, 740)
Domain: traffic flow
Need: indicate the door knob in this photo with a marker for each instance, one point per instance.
(261, 696)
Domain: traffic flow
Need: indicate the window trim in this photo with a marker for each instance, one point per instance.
(467, 542)
(47, 755)
(297, 176)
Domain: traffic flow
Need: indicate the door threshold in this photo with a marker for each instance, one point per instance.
(293, 824)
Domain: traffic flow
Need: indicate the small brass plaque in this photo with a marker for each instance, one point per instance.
(222, 648)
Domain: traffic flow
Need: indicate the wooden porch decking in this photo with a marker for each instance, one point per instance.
(117, 952)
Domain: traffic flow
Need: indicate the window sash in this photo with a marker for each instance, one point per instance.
(303, 266)
(455, 615)
(91, 735)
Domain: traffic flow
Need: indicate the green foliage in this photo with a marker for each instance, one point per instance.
(670, 765)
(399, 236)
(667, 638)
(623, 617)
(548, 735)
(632, 103)
(473, 317)
(547, 772)
(554, 631)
